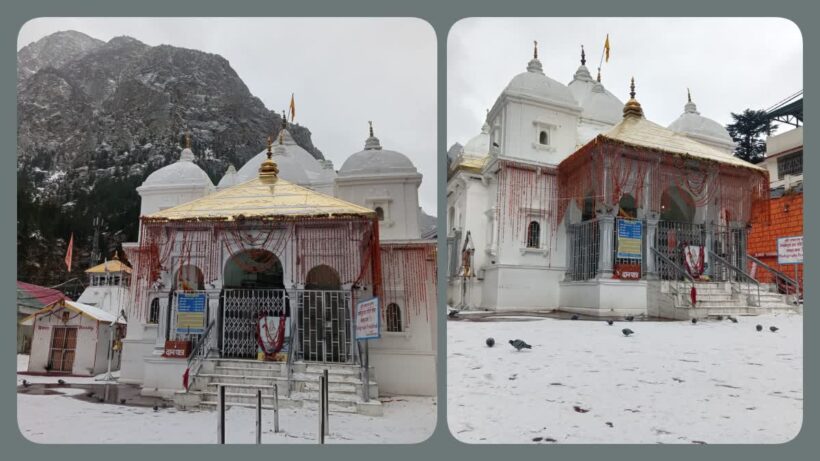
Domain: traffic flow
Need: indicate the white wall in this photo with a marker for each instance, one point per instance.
(398, 195)
(90, 357)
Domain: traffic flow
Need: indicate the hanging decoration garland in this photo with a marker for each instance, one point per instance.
(409, 272)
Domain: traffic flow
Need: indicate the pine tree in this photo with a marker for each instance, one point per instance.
(749, 131)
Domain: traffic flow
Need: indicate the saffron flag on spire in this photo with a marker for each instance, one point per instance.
(606, 47)
(69, 252)
(292, 107)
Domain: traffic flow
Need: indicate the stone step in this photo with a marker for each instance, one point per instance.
(248, 363)
(337, 405)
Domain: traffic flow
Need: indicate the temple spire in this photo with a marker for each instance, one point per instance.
(187, 139)
(688, 95)
(535, 49)
(583, 56)
(632, 108)
(599, 75)
(270, 148)
(372, 142)
(269, 170)
(370, 122)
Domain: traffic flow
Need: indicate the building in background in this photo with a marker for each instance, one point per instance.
(72, 338)
(782, 216)
(30, 299)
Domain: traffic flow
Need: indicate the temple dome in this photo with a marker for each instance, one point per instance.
(596, 102)
(480, 144)
(535, 85)
(375, 161)
(183, 172)
(229, 179)
(701, 128)
(295, 163)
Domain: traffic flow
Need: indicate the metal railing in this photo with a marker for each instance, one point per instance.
(721, 266)
(202, 347)
(291, 353)
(792, 286)
(676, 275)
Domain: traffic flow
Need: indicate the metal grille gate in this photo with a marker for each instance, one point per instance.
(241, 310)
(324, 326)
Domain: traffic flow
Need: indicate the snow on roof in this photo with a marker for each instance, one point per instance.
(91, 312)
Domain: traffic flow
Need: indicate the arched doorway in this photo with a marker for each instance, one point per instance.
(677, 205)
(324, 318)
(253, 300)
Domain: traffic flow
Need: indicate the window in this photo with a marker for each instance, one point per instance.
(153, 311)
(534, 235)
(790, 164)
(393, 317)
(380, 213)
(627, 207)
(543, 138)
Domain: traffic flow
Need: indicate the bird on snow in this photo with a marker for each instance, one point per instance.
(627, 331)
(452, 313)
(733, 319)
(609, 322)
(694, 321)
(574, 317)
(60, 382)
(630, 318)
(156, 408)
(490, 342)
(759, 328)
(719, 317)
(773, 329)
(25, 383)
(519, 344)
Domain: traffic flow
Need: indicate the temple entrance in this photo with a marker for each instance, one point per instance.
(254, 292)
(324, 324)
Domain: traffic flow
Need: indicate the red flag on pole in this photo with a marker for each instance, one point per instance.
(69, 252)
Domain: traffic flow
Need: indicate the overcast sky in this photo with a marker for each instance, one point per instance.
(729, 64)
(343, 72)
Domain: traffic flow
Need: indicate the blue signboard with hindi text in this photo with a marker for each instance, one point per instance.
(630, 233)
(191, 313)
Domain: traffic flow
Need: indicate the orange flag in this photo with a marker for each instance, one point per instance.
(69, 252)
(606, 47)
(292, 108)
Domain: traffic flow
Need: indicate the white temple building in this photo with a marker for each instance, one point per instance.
(268, 266)
(569, 199)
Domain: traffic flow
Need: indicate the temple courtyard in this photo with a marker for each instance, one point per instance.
(583, 381)
(44, 407)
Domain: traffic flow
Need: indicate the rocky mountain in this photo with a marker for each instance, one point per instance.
(95, 118)
(53, 51)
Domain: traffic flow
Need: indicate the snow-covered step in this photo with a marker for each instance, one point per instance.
(251, 371)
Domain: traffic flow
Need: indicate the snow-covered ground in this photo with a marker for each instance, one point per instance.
(63, 418)
(584, 382)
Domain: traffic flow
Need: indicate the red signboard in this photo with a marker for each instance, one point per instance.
(177, 349)
(628, 271)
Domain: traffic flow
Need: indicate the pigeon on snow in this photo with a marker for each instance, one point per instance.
(26, 383)
(574, 317)
(733, 319)
(759, 328)
(609, 322)
(773, 329)
(694, 321)
(60, 382)
(490, 342)
(630, 318)
(519, 344)
(627, 331)
(452, 313)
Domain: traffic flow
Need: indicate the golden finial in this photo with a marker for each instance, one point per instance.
(268, 170)
(632, 107)
(370, 122)
(599, 75)
(688, 95)
(535, 49)
(583, 56)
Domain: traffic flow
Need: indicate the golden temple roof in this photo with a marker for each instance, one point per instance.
(470, 163)
(115, 265)
(638, 131)
(261, 198)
